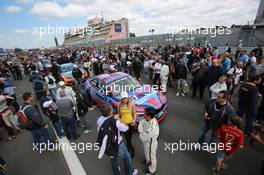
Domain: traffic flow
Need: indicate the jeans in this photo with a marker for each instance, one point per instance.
(57, 127)
(8, 129)
(53, 92)
(85, 120)
(250, 118)
(180, 85)
(124, 154)
(69, 127)
(205, 128)
(128, 136)
(201, 86)
(41, 133)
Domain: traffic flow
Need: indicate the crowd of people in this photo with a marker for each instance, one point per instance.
(221, 75)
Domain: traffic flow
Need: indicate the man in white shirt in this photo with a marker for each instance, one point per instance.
(164, 73)
(148, 129)
(51, 84)
(116, 147)
(236, 72)
(68, 91)
(218, 87)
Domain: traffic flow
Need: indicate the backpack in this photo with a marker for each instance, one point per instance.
(108, 132)
(22, 120)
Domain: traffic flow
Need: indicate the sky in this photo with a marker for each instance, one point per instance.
(21, 20)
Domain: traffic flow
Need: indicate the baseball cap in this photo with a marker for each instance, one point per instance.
(61, 83)
(124, 95)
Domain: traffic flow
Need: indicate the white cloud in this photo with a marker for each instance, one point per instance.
(155, 13)
(13, 9)
(52, 9)
(21, 31)
(144, 15)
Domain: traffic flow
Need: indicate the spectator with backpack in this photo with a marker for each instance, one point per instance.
(111, 142)
(83, 102)
(30, 118)
(51, 84)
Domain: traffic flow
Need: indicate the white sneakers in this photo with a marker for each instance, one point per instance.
(135, 172)
(182, 94)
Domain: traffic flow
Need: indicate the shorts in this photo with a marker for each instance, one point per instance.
(222, 154)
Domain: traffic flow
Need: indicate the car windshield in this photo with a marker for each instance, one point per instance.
(127, 84)
(67, 68)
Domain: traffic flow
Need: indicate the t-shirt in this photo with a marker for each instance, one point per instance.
(157, 68)
(237, 72)
(231, 137)
(248, 96)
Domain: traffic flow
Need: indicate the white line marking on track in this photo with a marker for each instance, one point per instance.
(70, 156)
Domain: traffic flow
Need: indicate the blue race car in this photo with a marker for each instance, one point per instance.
(106, 88)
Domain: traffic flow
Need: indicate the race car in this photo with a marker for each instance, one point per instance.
(106, 88)
(65, 74)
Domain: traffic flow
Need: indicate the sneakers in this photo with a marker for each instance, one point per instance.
(87, 131)
(177, 94)
(135, 172)
(20, 130)
(149, 173)
(211, 150)
(182, 94)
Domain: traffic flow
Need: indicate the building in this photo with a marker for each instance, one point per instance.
(260, 14)
(97, 32)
